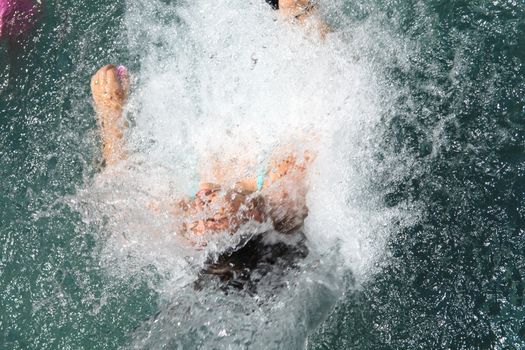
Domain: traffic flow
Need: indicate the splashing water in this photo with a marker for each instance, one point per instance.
(416, 102)
(230, 79)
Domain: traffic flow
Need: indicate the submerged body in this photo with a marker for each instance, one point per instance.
(279, 195)
(274, 197)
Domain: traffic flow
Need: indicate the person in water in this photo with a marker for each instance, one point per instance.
(278, 194)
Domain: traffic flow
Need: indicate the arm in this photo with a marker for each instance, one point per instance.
(109, 93)
(282, 199)
(283, 189)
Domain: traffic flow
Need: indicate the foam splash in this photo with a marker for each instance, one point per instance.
(229, 80)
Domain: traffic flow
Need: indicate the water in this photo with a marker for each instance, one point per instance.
(416, 214)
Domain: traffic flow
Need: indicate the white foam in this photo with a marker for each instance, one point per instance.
(229, 79)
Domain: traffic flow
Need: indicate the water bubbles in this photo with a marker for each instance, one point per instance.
(226, 80)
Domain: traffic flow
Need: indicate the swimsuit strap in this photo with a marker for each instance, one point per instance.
(262, 173)
(260, 180)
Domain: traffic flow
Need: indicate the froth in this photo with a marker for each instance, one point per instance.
(230, 80)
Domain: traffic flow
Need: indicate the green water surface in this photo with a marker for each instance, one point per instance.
(455, 279)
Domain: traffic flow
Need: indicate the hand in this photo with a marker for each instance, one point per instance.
(289, 167)
(285, 191)
(108, 89)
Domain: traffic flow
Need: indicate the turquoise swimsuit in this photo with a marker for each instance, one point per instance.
(260, 180)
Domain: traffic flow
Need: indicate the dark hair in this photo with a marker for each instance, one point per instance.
(273, 3)
(244, 266)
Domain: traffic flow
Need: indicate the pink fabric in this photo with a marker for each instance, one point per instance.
(16, 17)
